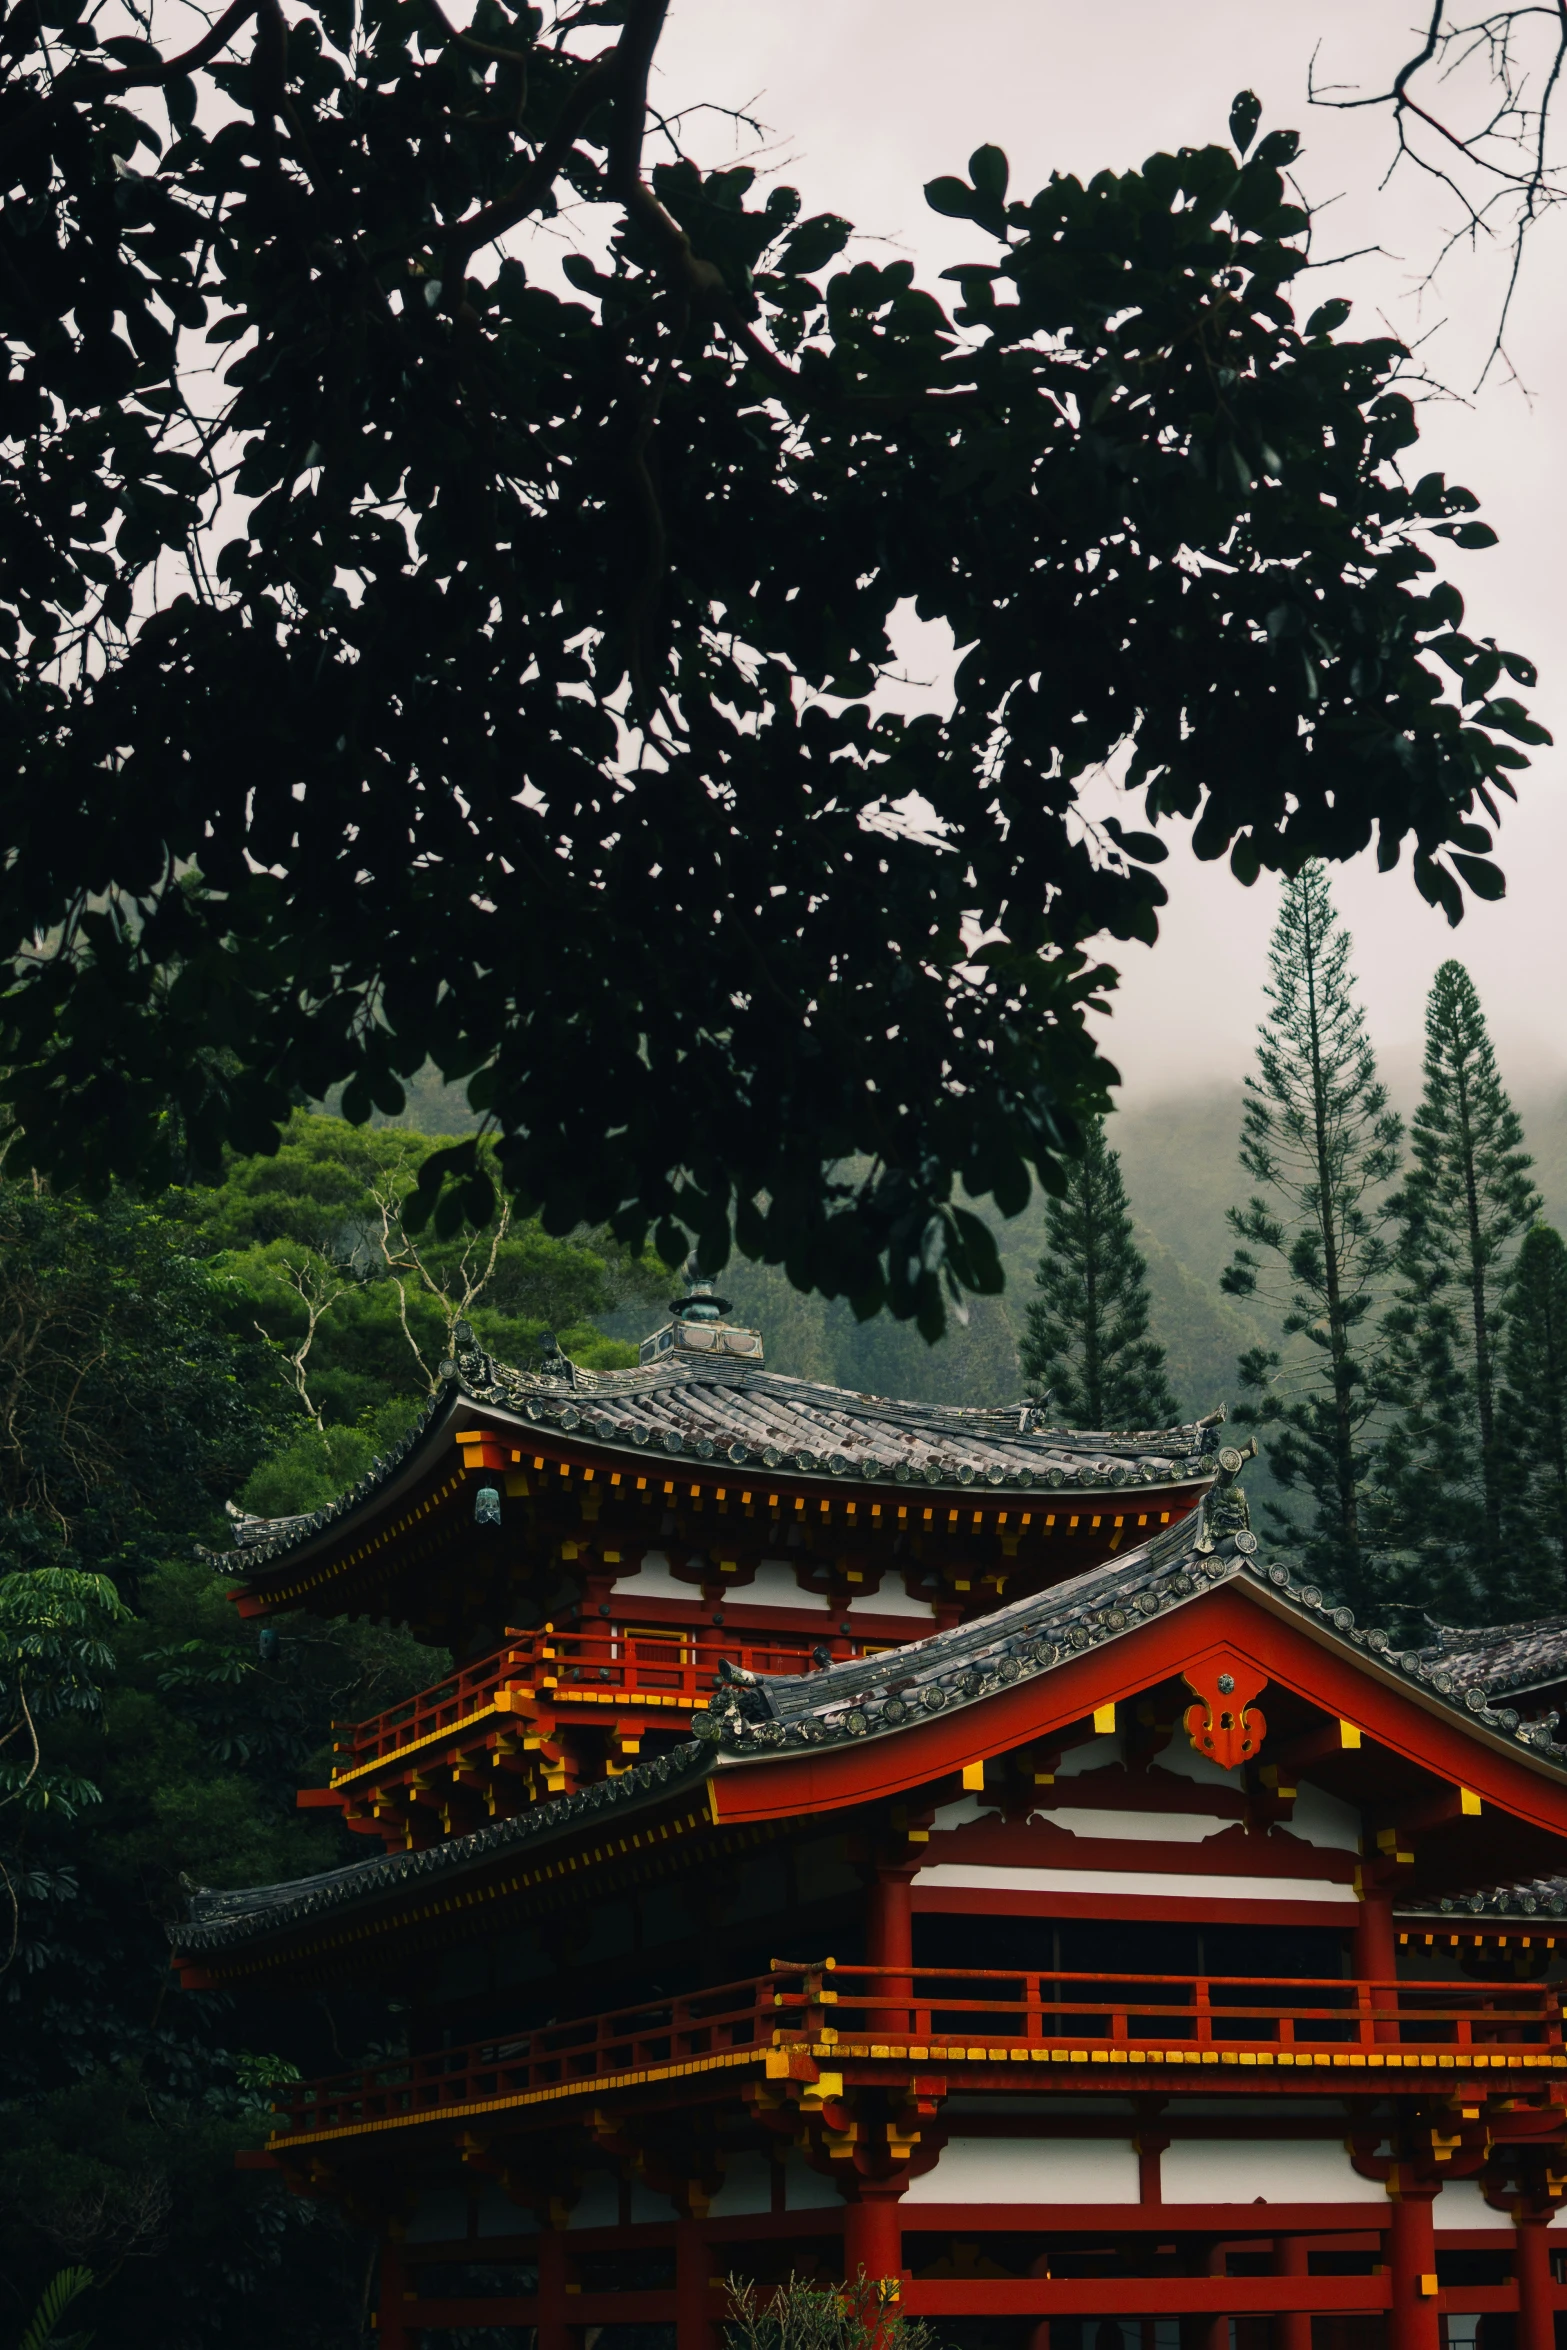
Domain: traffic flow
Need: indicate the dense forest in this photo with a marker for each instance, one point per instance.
(260, 1340)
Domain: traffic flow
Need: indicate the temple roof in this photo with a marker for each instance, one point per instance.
(1538, 1897)
(716, 1406)
(1503, 1657)
(873, 1698)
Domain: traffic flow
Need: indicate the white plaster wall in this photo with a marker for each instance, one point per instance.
(1020, 2170)
(1095, 1754)
(1166, 1885)
(1320, 1818)
(1183, 1761)
(598, 2205)
(775, 1586)
(1461, 2205)
(440, 2216)
(970, 1806)
(893, 1599)
(499, 2216)
(1263, 2170)
(806, 2189)
(747, 2187)
(652, 1580)
(1143, 1827)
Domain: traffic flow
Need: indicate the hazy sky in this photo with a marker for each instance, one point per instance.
(869, 98)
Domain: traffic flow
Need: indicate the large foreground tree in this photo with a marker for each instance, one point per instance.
(402, 661)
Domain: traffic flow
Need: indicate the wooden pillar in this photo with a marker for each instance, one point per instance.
(553, 2333)
(889, 1942)
(1292, 2328)
(1213, 2333)
(1039, 2331)
(1376, 1946)
(1532, 2267)
(693, 2328)
(1413, 2323)
(391, 2323)
(872, 2232)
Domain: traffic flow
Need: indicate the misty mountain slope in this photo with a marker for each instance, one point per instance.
(1179, 1157)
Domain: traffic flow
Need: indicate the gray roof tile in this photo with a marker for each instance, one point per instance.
(878, 1697)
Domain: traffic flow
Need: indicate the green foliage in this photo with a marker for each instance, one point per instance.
(125, 2102)
(1533, 1416)
(1322, 1145)
(359, 1313)
(1087, 1334)
(132, 1406)
(1466, 1203)
(55, 1652)
(316, 1464)
(799, 2315)
(350, 792)
(43, 2326)
(139, 1396)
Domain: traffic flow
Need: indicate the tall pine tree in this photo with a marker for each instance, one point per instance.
(1534, 1417)
(1322, 1146)
(1465, 1205)
(1087, 1335)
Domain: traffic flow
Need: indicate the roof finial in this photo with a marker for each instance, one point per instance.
(699, 1323)
(699, 1304)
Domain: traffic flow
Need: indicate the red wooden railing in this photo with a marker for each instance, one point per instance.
(956, 2015)
(676, 1665)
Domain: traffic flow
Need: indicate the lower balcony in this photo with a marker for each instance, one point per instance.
(814, 2033)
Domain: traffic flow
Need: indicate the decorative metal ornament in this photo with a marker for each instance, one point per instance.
(1224, 1725)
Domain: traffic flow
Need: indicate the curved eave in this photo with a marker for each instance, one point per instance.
(851, 1707)
(278, 1573)
(273, 1922)
(1038, 1634)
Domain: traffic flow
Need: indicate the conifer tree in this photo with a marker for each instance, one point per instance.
(1321, 1145)
(1534, 1416)
(1465, 1205)
(1087, 1335)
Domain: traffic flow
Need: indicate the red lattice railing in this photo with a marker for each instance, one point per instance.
(679, 1669)
(953, 2015)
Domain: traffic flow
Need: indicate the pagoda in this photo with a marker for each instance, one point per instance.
(863, 1837)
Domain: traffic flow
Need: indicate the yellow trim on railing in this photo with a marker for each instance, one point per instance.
(909, 2052)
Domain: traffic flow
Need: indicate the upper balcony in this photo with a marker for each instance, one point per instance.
(540, 1716)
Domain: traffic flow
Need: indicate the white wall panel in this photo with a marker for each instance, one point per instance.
(1020, 2170)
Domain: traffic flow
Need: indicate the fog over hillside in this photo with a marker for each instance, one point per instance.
(1179, 1157)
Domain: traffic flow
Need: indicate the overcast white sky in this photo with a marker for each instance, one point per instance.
(870, 98)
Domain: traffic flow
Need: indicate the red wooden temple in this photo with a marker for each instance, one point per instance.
(863, 1836)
